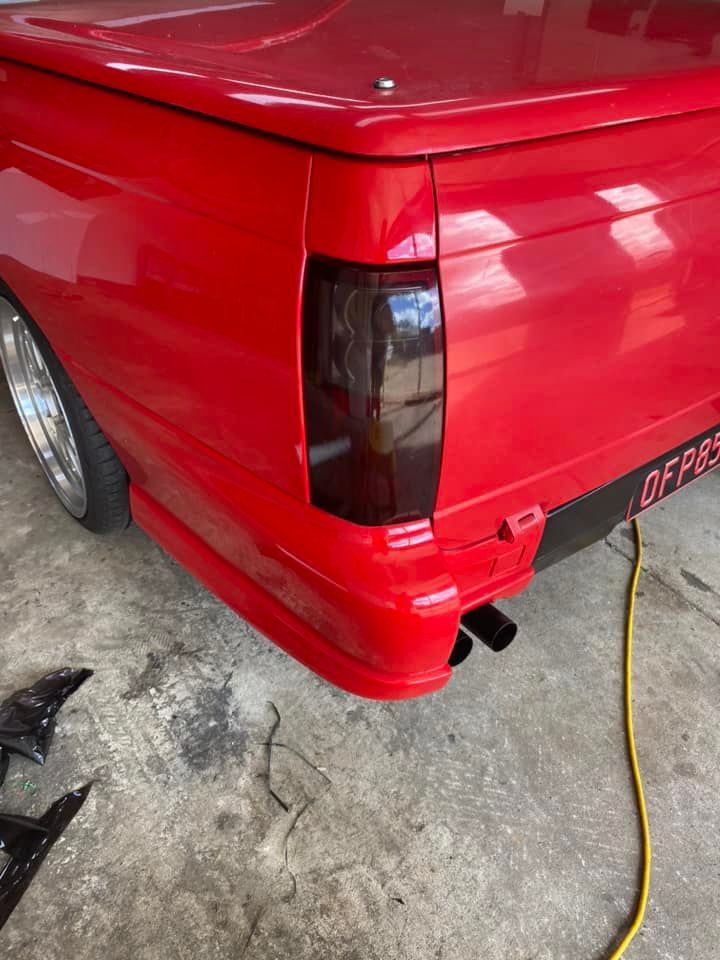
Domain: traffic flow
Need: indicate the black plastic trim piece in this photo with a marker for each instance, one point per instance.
(591, 517)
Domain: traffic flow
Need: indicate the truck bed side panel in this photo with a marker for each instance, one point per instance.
(163, 253)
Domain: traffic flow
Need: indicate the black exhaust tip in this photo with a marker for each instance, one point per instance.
(462, 649)
(487, 624)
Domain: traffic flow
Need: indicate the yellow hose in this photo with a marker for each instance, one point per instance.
(642, 809)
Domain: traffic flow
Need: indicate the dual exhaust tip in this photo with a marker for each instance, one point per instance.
(486, 624)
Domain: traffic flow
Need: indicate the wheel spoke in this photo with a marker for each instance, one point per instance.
(41, 410)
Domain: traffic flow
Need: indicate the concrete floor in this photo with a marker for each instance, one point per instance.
(492, 821)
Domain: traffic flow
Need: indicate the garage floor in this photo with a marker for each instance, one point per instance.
(493, 820)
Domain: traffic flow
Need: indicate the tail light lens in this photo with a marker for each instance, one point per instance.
(373, 375)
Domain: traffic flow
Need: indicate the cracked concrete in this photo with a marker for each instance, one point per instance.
(494, 819)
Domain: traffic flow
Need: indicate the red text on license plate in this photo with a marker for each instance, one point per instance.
(680, 468)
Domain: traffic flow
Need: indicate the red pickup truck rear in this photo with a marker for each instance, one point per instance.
(381, 309)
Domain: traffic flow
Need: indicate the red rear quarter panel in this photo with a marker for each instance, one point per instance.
(163, 256)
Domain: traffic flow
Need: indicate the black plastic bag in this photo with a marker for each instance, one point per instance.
(14, 830)
(27, 717)
(27, 842)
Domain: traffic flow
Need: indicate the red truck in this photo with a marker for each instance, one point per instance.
(365, 312)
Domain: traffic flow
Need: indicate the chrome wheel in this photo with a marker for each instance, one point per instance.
(41, 410)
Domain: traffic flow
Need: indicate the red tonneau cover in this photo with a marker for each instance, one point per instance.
(469, 73)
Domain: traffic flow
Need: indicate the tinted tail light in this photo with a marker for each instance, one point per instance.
(373, 373)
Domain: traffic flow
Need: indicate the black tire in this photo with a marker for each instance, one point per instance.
(105, 479)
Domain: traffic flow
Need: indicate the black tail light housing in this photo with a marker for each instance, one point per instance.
(373, 386)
